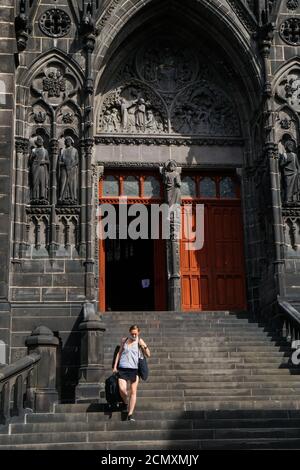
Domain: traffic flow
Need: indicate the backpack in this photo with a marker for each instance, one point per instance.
(112, 392)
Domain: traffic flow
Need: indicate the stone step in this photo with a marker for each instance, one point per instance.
(219, 403)
(109, 425)
(203, 352)
(210, 361)
(199, 342)
(191, 444)
(149, 434)
(151, 385)
(94, 412)
(219, 377)
(178, 330)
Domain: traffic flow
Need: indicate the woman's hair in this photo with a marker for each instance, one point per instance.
(134, 327)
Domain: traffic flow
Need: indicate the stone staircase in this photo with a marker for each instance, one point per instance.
(218, 380)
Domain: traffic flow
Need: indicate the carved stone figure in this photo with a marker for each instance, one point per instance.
(288, 88)
(54, 83)
(40, 117)
(290, 168)
(39, 172)
(172, 182)
(68, 173)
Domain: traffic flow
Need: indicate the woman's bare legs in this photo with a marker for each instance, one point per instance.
(132, 399)
(123, 389)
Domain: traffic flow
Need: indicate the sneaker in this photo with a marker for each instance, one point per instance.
(130, 418)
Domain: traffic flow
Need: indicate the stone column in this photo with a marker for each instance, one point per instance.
(43, 342)
(172, 182)
(91, 376)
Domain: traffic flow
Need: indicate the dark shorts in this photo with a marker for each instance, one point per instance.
(128, 374)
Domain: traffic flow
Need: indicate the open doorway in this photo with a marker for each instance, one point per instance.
(129, 275)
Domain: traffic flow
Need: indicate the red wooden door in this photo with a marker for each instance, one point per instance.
(213, 278)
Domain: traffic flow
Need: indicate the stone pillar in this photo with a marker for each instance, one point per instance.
(91, 376)
(172, 183)
(174, 276)
(43, 342)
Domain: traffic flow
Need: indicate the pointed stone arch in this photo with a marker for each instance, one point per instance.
(124, 16)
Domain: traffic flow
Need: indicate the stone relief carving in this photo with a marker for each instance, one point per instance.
(68, 173)
(40, 117)
(39, 172)
(55, 23)
(204, 109)
(288, 88)
(286, 121)
(55, 84)
(132, 109)
(290, 31)
(167, 87)
(167, 68)
(290, 169)
(292, 4)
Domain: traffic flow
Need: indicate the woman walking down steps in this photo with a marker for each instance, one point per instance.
(126, 363)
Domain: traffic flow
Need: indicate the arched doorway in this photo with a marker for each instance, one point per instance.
(167, 92)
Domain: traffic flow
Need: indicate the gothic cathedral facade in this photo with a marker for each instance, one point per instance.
(102, 100)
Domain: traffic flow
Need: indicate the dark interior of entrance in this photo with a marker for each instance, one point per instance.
(129, 275)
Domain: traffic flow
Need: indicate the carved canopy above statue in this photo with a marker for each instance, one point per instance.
(167, 89)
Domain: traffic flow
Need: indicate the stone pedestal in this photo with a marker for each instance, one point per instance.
(91, 375)
(43, 382)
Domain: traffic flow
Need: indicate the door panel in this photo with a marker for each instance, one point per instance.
(213, 278)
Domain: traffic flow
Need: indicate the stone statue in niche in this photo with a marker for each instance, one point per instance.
(68, 173)
(290, 168)
(39, 172)
(172, 183)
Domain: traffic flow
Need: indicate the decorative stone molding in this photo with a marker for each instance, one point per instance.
(65, 210)
(34, 210)
(178, 141)
(244, 15)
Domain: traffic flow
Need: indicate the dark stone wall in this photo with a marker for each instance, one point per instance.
(7, 83)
